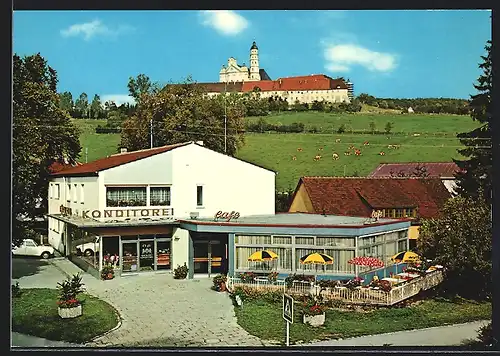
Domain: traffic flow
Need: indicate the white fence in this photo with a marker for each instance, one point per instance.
(358, 295)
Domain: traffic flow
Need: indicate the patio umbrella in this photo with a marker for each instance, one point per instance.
(264, 255)
(404, 257)
(366, 261)
(316, 258)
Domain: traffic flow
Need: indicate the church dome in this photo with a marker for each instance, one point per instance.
(254, 46)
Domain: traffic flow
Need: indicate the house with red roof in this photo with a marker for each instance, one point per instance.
(445, 171)
(399, 198)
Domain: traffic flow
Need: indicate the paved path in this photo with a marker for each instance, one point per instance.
(156, 309)
(450, 335)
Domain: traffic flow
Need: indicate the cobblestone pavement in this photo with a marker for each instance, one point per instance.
(158, 310)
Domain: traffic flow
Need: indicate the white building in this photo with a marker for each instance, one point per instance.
(236, 73)
(160, 208)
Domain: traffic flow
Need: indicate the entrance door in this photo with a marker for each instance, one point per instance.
(130, 261)
(146, 257)
(217, 252)
(200, 256)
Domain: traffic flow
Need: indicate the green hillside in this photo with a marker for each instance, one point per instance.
(436, 142)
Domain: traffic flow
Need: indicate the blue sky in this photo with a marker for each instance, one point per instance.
(400, 54)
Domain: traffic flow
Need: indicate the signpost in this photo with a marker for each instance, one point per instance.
(288, 315)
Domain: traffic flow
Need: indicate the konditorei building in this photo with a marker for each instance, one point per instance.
(159, 208)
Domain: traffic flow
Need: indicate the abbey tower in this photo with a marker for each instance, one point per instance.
(234, 72)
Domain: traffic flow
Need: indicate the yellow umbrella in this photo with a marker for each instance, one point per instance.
(316, 258)
(264, 255)
(408, 256)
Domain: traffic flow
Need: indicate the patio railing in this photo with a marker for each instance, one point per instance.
(358, 295)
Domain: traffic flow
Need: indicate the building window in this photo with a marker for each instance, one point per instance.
(75, 198)
(68, 193)
(399, 213)
(58, 191)
(125, 196)
(51, 188)
(159, 196)
(82, 187)
(199, 195)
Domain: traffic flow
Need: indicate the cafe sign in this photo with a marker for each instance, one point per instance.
(117, 213)
(228, 216)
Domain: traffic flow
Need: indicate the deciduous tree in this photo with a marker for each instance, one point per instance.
(42, 134)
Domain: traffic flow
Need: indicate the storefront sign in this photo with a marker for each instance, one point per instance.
(227, 216)
(118, 213)
(377, 214)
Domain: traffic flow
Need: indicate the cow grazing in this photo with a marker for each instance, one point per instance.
(317, 158)
(351, 147)
(390, 146)
(320, 149)
(366, 143)
(357, 152)
(294, 158)
(335, 156)
(382, 153)
(337, 140)
(299, 149)
(347, 153)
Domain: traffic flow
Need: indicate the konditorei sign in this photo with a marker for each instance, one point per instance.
(118, 213)
(228, 216)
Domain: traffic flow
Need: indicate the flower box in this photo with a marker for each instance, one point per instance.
(314, 320)
(67, 313)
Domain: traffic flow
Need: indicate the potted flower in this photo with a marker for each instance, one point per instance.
(181, 272)
(69, 306)
(220, 283)
(247, 277)
(109, 264)
(313, 313)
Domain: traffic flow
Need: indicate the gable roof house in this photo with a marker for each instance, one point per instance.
(416, 198)
(445, 171)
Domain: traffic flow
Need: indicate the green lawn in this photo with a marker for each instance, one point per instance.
(437, 143)
(275, 151)
(414, 123)
(264, 320)
(35, 313)
(97, 145)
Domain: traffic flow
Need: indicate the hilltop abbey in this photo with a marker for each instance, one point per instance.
(303, 89)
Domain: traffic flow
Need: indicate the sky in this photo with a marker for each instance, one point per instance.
(385, 53)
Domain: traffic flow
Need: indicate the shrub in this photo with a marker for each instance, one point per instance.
(388, 127)
(297, 277)
(16, 290)
(107, 272)
(218, 280)
(341, 129)
(181, 272)
(313, 129)
(328, 283)
(249, 293)
(485, 335)
(247, 276)
(272, 277)
(69, 290)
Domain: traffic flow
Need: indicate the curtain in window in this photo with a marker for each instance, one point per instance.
(253, 240)
(340, 258)
(159, 196)
(335, 241)
(300, 252)
(126, 196)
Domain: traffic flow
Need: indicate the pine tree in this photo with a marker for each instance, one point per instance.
(477, 168)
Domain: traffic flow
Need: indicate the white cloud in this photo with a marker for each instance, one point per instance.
(118, 99)
(94, 28)
(226, 22)
(340, 57)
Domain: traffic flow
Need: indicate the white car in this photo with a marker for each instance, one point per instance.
(30, 248)
(88, 249)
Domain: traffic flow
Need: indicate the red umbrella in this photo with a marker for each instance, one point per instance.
(366, 261)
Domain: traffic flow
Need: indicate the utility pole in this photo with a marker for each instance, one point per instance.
(151, 131)
(225, 118)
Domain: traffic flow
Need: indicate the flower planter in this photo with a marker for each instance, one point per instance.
(67, 313)
(314, 320)
(222, 287)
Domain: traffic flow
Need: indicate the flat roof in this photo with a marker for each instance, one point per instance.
(296, 220)
(81, 222)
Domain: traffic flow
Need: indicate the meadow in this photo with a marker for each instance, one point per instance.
(436, 142)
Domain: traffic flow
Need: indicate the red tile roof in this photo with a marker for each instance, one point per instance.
(58, 166)
(359, 196)
(309, 82)
(92, 168)
(434, 169)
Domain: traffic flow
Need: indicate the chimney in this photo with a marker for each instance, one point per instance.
(199, 143)
(123, 150)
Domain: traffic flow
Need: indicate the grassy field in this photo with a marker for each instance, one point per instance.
(437, 143)
(275, 151)
(34, 312)
(414, 123)
(264, 320)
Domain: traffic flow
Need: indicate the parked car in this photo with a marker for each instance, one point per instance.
(88, 249)
(30, 248)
